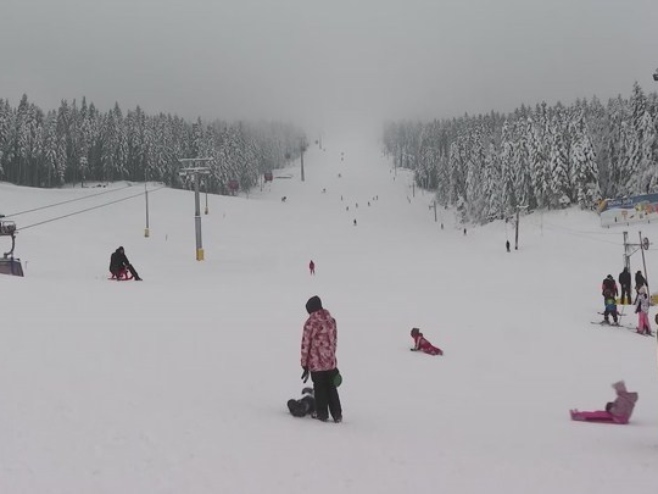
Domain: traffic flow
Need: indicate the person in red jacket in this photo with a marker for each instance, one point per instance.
(311, 267)
(319, 358)
(423, 345)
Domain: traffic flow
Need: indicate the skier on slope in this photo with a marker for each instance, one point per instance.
(609, 292)
(609, 287)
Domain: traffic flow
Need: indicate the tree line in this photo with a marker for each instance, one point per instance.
(78, 143)
(550, 157)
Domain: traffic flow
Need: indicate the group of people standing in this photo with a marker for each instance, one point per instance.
(625, 284)
(642, 301)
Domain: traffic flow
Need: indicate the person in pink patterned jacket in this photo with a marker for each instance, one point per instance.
(616, 412)
(319, 359)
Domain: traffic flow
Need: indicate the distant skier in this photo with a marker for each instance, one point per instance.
(311, 267)
(421, 344)
(610, 308)
(625, 284)
(642, 310)
(507, 246)
(609, 287)
(616, 412)
(303, 406)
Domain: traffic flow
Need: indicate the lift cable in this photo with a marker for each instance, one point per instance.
(67, 201)
(88, 209)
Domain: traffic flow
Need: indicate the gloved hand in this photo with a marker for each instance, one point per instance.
(305, 374)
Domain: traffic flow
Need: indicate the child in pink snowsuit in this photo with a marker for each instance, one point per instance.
(422, 345)
(616, 412)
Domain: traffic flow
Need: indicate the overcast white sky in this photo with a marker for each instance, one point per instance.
(315, 61)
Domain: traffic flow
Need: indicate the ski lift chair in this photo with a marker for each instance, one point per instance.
(8, 263)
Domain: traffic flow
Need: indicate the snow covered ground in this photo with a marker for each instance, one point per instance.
(178, 384)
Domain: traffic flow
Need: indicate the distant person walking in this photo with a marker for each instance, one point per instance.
(507, 246)
(625, 283)
(311, 267)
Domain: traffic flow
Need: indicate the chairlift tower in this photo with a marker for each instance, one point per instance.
(196, 171)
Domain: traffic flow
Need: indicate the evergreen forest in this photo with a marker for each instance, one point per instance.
(550, 157)
(77, 143)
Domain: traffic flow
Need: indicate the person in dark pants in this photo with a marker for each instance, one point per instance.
(640, 281)
(318, 357)
(119, 261)
(625, 283)
(507, 246)
(609, 287)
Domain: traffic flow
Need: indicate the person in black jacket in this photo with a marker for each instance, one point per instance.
(119, 261)
(640, 281)
(625, 283)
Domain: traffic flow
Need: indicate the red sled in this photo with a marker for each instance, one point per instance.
(599, 417)
(124, 274)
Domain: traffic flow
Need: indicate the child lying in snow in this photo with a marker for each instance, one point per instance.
(422, 345)
(616, 412)
(304, 406)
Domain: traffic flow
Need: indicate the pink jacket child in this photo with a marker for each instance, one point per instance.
(616, 412)
(423, 345)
